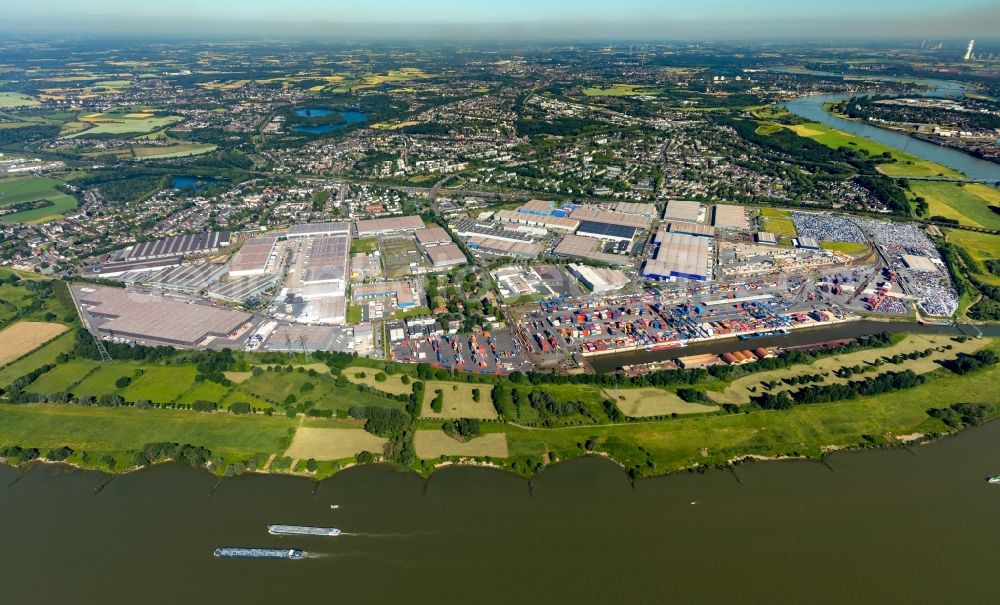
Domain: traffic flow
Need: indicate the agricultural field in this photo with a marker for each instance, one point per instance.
(31, 189)
(23, 337)
(643, 402)
(119, 123)
(9, 100)
(333, 444)
(905, 165)
(204, 391)
(981, 247)
(36, 359)
(740, 390)
(969, 203)
(430, 444)
(458, 401)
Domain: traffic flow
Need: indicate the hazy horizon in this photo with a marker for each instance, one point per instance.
(512, 20)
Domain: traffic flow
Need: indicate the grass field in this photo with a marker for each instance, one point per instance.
(905, 165)
(204, 391)
(365, 244)
(30, 189)
(642, 402)
(9, 100)
(458, 401)
(803, 430)
(392, 384)
(12, 299)
(969, 204)
(981, 247)
(160, 384)
(845, 247)
(333, 444)
(97, 429)
(180, 150)
(620, 90)
(63, 377)
(25, 336)
(115, 123)
(430, 444)
(102, 381)
(781, 227)
(740, 390)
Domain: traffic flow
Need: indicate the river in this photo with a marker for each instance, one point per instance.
(917, 525)
(811, 108)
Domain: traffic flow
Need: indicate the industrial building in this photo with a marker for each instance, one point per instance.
(532, 220)
(727, 216)
(504, 247)
(404, 293)
(468, 228)
(610, 217)
(767, 238)
(138, 266)
(599, 279)
(606, 231)
(328, 258)
(808, 243)
(241, 289)
(432, 236)
(318, 229)
(680, 256)
(152, 318)
(698, 229)
(446, 255)
(916, 262)
(683, 211)
(536, 207)
(587, 247)
(195, 243)
(641, 209)
(253, 257)
(383, 226)
(187, 278)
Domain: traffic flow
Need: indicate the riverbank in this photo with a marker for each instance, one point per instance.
(644, 447)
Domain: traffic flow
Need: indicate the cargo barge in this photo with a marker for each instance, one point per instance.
(258, 553)
(302, 530)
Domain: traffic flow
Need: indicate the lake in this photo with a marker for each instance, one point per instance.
(350, 117)
(905, 525)
(195, 182)
(811, 108)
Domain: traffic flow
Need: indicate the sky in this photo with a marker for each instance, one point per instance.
(516, 19)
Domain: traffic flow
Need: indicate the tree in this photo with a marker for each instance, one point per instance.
(311, 465)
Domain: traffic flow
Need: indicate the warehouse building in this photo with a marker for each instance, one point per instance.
(683, 211)
(195, 243)
(916, 262)
(504, 247)
(137, 266)
(187, 278)
(607, 231)
(155, 319)
(383, 226)
(403, 293)
(680, 256)
(432, 236)
(609, 217)
(446, 255)
(577, 246)
(808, 243)
(318, 229)
(599, 279)
(727, 216)
(537, 208)
(646, 210)
(546, 222)
(468, 228)
(767, 238)
(241, 289)
(253, 257)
